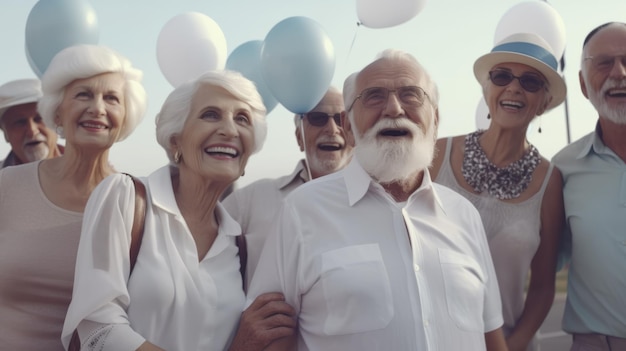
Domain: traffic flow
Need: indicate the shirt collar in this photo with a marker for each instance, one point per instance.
(9, 160)
(593, 143)
(162, 196)
(358, 182)
(299, 174)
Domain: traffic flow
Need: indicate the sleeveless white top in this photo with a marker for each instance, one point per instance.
(513, 235)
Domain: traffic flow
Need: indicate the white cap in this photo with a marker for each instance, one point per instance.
(19, 92)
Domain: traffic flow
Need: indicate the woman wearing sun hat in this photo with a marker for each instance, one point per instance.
(517, 191)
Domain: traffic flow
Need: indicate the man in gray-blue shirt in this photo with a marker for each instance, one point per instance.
(594, 174)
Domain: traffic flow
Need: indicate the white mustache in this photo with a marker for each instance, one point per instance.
(387, 123)
(613, 83)
(330, 139)
(38, 138)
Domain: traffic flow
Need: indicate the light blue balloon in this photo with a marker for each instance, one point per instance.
(53, 25)
(246, 59)
(298, 63)
(31, 63)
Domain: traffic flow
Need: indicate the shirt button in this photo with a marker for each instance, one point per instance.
(416, 267)
(426, 323)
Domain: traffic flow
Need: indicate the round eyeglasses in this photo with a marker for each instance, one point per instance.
(530, 82)
(376, 97)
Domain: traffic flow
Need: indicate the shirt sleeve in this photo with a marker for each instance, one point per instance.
(492, 313)
(280, 262)
(100, 293)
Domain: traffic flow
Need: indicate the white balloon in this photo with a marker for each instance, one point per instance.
(482, 111)
(188, 45)
(537, 17)
(387, 13)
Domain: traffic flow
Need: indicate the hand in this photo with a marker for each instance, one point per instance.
(267, 319)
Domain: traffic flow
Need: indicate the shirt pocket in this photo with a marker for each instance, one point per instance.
(356, 290)
(464, 288)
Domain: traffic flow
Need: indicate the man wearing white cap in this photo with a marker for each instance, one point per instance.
(23, 128)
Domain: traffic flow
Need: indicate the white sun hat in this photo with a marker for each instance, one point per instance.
(528, 49)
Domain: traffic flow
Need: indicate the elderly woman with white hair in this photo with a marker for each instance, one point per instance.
(185, 291)
(94, 98)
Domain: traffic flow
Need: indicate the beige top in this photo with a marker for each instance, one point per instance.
(38, 243)
(513, 234)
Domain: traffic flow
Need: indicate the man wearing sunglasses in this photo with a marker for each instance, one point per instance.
(320, 135)
(376, 256)
(594, 192)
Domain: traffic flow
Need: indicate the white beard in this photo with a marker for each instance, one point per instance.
(36, 153)
(325, 166)
(617, 114)
(390, 161)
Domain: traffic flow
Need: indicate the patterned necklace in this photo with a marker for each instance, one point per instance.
(502, 183)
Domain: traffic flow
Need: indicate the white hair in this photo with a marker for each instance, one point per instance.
(297, 118)
(176, 108)
(349, 85)
(85, 61)
(399, 55)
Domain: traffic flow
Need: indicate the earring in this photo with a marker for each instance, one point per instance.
(59, 131)
(488, 116)
(177, 157)
(243, 173)
(539, 129)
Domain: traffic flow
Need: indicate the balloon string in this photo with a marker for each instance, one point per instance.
(358, 24)
(306, 159)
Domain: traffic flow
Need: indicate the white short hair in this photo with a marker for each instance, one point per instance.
(85, 61)
(177, 106)
(399, 55)
(297, 118)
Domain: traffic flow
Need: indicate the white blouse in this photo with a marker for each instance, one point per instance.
(173, 299)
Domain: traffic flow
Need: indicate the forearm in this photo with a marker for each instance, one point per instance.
(288, 343)
(536, 308)
(146, 346)
(494, 340)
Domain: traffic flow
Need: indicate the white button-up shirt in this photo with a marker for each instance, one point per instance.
(366, 273)
(174, 299)
(255, 207)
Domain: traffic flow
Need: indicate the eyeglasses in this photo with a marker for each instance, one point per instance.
(531, 82)
(605, 62)
(319, 119)
(376, 97)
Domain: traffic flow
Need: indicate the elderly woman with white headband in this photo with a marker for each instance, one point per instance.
(517, 191)
(185, 291)
(93, 97)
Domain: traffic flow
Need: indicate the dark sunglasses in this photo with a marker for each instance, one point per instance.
(529, 81)
(319, 119)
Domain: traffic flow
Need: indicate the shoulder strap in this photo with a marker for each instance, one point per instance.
(243, 257)
(138, 220)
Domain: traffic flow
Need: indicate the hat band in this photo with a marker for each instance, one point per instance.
(531, 50)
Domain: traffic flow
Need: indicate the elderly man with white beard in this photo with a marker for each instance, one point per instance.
(23, 127)
(594, 193)
(377, 256)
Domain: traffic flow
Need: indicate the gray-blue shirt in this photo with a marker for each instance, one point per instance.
(595, 207)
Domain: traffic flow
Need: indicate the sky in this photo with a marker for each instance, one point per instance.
(446, 36)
